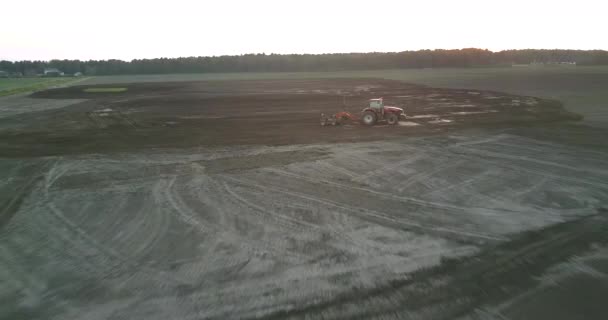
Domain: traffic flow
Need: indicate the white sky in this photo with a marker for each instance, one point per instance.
(128, 29)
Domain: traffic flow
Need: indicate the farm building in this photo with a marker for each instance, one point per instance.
(52, 72)
(3, 74)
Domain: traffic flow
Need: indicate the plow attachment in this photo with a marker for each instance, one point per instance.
(337, 119)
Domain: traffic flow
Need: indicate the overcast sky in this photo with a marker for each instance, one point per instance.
(128, 29)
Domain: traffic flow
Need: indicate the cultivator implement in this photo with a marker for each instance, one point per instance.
(339, 118)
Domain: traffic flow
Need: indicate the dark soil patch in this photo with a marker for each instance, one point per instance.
(277, 112)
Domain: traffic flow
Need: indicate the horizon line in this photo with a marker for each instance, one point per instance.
(300, 54)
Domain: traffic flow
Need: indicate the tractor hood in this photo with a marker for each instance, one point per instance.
(393, 109)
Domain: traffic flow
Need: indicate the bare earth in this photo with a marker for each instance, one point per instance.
(226, 200)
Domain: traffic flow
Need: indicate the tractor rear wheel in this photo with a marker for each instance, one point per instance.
(369, 118)
(392, 119)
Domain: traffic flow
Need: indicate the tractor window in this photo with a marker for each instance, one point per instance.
(376, 104)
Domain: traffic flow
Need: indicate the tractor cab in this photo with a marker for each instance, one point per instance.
(377, 105)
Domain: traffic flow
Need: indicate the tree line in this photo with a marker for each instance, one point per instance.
(312, 62)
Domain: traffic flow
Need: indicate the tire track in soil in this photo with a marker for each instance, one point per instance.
(121, 261)
(495, 159)
(152, 222)
(475, 179)
(267, 220)
(459, 286)
(42, 227)
(400, 198)
(18, 280)
(161, 225)
(423, 176)
(214, 180)
(189, 216)
(51, 177)
(487, 156)
(353, 175)
(530, 162)
(178, 206)
(405, 200)
(381, 218)
(294, 224)
(11, 206)
(389, 168)
(520, 144)
(547, 177)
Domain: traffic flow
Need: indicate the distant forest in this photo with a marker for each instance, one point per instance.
(311, 62)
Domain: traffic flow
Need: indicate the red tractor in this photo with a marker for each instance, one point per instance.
(377, 111)
(371, 115)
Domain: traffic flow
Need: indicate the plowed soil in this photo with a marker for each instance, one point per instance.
(220, 113)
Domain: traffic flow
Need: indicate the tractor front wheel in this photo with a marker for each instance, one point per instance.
(392, 119)
(369, 118)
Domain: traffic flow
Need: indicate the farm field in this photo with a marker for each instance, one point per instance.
(212, 197)
(12, 83)
(11, 86)
(580, 88)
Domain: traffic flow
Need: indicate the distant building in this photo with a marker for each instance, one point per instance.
(3, 74)
(52, 72)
